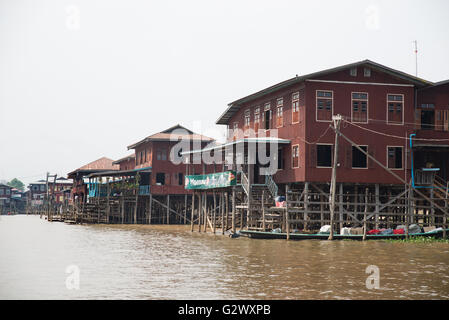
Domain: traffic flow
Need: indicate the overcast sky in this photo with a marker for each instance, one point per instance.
(84, 79)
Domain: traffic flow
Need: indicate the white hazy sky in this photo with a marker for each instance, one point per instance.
(84, 79)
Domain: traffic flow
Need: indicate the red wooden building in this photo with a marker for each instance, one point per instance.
(382, 109)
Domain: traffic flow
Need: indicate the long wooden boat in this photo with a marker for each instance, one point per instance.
(302, 236)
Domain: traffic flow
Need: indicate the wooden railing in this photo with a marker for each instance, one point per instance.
(271, 185)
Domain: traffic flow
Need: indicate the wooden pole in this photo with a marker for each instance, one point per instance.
(306, 205)
(222, 209)
(192, 216)
(205, 216)
(364, 214)
(340, 205)
(168, 209)
(185, 209)
(200, 209)
(377, 206)
(214, 212)
(336, 120)
(287, 222)
(108, 205)
(263, 211)
(227, 210)
(150, 209)
(233, 210)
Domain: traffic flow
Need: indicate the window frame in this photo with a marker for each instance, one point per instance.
(292, 157)
(402, 157)
(279, 109)
(360, 100)
(394, 110)
(316, 150)
(316, 105)
(295, 100)
(352, 158)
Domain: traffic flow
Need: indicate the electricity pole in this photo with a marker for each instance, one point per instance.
(337, 120)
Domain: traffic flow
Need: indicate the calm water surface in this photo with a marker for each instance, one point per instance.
(170, 262)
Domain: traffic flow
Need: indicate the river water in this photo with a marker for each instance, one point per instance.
(43, 260)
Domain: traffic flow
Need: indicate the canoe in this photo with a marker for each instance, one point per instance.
(302, 236)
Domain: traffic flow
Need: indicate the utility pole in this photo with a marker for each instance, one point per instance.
(337, 120)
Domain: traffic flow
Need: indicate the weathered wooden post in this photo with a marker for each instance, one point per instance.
(263, 211)
(364, 214)
(233, 210)
(214, 212)
(287, 222)
(192, 216)
(168, 209)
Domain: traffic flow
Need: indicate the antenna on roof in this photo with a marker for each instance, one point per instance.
(416, 56)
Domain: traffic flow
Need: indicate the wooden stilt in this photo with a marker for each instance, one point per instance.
(287, 221)
(168, 209)
(150, 209)
(192, 216)
(233, 210)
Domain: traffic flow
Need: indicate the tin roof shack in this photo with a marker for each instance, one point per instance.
(80, 180)
(377, 108)
(5, 198)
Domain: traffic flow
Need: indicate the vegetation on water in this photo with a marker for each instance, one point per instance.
(418, 240)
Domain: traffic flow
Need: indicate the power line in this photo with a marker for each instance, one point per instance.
(391, 135)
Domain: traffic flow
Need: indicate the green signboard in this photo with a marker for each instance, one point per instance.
(211, 181)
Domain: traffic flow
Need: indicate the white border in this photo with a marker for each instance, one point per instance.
(403, 109)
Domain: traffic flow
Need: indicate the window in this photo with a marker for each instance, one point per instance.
(353, 72)
(141, 157)
(247, 119)
(267, 116)
(8, 192)
(394, 155)
(324, 155)
(280, 113)
(180, 178)
(295, 156)
(42, 187)
(324, 105)
(395, 104)
(359, 159)
(359, 107)
(295, 107)
(367, 72)
(256, 119)
(160, 178)
(2, 192)
(161, 154)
